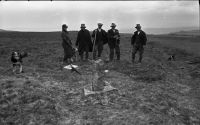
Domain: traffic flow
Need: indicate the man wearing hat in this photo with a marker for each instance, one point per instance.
(99, 39)
(113, 42)
(138, 40)
(66, 44)
(84, 42)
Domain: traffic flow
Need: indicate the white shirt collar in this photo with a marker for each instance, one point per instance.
(99, 30)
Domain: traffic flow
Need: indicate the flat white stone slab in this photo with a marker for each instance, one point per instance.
(70, 66)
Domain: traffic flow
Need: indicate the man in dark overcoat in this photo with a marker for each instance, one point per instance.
(138, 40)
(99, 39)
(113, 42)
(84, 42)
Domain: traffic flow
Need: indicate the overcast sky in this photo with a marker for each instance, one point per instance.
(49, 16)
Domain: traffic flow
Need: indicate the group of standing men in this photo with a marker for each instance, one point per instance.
(99, 38)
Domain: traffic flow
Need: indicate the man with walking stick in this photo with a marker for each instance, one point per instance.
(113, 42)
(99, 39)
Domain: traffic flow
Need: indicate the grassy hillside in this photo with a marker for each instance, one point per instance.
(157, 92)
(187, 33)
(184, 40)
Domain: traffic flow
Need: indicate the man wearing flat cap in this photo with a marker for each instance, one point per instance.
(113, 42)
(84, 42)
(99, 39)
(138, 40)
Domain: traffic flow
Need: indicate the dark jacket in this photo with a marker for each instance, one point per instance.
(112, 41)
(142, 39)
(84, 41)
(67, 45)
(100, 36)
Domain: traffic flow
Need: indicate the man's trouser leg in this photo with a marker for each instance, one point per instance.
(141, 51)
(100, 49)
(81, 55)
(65, 57)
(87, 53)
(117, 51)
(95, 52)
(111, 53)
(134, 51)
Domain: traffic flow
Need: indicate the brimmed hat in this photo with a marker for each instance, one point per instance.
(100, 24)
(113, 25)
(138, 26)
(64, 26)
(83, 26)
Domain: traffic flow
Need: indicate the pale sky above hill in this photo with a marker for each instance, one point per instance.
(49, 16)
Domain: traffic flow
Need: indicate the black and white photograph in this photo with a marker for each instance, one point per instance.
(99, 62)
